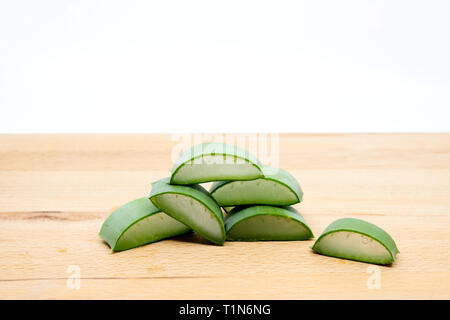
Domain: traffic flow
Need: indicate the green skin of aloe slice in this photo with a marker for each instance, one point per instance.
(356, 239)
(137, 223)
(260, 223)
(191, 205)
(278, 187)
(213, 162)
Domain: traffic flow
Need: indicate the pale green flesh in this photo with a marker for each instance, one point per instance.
(260, 222)
(153, 228)
(356, 239)
(353, 246)
(213, 168)
(267, 227)
(259, 191)
(136, 223)
(193, 214)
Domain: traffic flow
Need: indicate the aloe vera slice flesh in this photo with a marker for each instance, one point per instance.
(191, 205)
(258, 223)
(137, 223)
(278, 187)
(356, 239)
(213, 162)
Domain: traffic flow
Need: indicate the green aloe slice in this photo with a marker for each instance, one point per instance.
(358, 240)
(266, 223)
(215, 161)
(278, 187)
(193, 206)
(137, 223)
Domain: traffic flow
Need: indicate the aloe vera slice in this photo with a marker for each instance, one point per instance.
(137, 223)
(215, 161)
(356, 239)
(266, 223)
(278, 187)
(191, 205)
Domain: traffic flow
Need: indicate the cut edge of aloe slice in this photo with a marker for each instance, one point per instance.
(286, 220)
(138, 223)
(191, 205)
(211, 161)
(278, 187)
(358, 240)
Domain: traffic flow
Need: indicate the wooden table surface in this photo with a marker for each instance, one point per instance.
(56, 190)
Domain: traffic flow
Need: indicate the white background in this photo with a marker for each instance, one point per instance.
(225, 66)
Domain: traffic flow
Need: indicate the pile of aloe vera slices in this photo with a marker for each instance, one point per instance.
(247, 201)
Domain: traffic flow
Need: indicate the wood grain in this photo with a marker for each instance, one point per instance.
(56, 190)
